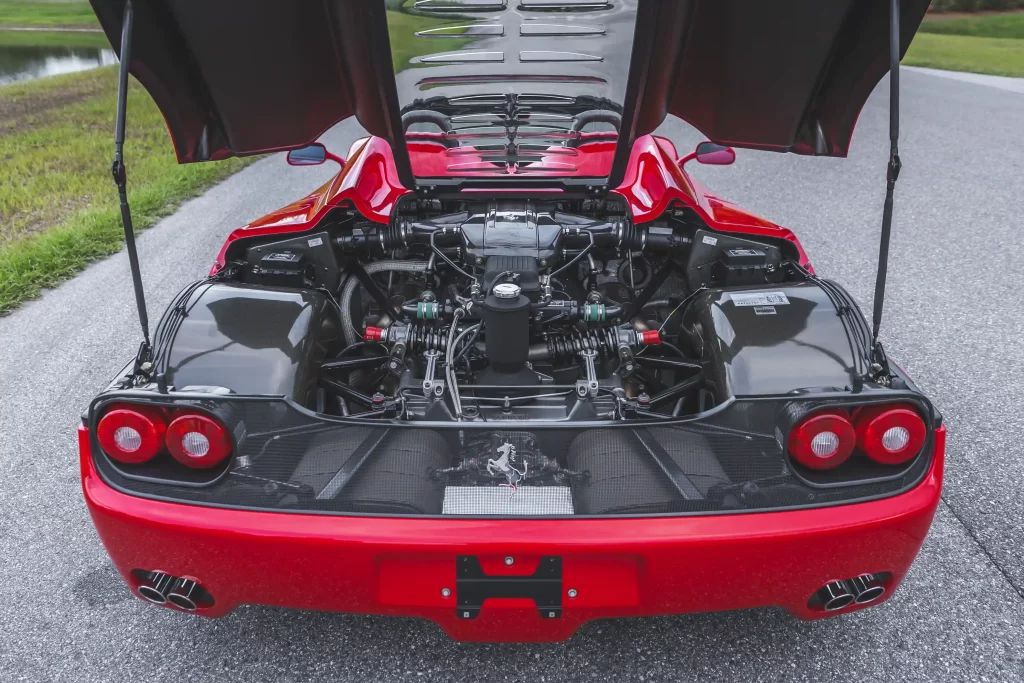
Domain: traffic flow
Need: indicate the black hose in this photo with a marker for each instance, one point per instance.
(446, 259)
(673, 348)
(359, 345)
(575, 260)
(469, 345)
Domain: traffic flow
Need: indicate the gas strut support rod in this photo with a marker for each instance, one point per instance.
(119, 172)
(881, 366)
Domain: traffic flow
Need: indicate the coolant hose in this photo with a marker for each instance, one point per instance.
(348, 327)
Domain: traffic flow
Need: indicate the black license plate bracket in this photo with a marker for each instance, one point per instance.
(473, 586)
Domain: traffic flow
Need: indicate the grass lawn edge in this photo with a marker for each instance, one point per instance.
(43, 261)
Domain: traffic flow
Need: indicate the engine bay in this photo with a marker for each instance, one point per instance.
(550, 348)
(511, 309)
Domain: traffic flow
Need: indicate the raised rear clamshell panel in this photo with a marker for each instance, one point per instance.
(253, 340)
(771, 340)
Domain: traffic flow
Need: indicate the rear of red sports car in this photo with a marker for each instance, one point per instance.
(511, 369)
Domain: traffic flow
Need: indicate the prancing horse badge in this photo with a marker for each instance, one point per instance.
(504, 464)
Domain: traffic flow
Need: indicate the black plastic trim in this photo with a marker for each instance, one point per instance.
(889, 395)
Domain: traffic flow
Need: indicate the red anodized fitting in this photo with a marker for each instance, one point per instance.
(373, 334)
(650, 338)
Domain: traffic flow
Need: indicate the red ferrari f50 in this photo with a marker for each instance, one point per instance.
(511, 369)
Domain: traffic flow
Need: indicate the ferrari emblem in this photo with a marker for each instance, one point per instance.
(504, 464)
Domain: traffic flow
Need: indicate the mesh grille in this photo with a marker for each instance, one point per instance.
(287, 460)
(548, 501)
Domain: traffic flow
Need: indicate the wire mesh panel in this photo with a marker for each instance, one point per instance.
(547, 501)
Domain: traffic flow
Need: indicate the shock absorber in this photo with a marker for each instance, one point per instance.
(610, 341)
(567, 346)
(415, 338)
(403, 338)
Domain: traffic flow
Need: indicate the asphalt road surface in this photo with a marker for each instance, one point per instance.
(954, 319)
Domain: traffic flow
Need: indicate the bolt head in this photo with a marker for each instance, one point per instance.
(573, 593)
(446, 592)
(509, 561)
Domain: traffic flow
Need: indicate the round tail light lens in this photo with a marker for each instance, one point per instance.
(890, 434)
(823, 440)
(131, 434)
(198, 441)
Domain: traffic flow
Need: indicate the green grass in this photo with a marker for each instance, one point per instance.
(58, 207)
(997, 56)
(984, 44)
(73, 13)
(52, 39)
(1010, 25)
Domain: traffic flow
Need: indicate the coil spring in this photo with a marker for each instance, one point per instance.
(567, 346)
(422, 338)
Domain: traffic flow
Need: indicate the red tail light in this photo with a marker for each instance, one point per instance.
(823, 440)
(890, 434)
(132, 434)
(198, 441)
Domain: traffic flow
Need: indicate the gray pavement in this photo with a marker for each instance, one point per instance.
(954, 319)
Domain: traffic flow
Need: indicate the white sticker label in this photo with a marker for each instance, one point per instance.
(759, 299)
(708, 239)
(315, 242)
(764, 310)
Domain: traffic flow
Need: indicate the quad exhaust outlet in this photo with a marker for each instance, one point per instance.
(835, 596)
(861, 590)
(161, 588)
(184, 595)
(866, 588)
(156, 588)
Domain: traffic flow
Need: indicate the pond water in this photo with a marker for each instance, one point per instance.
(26, 62)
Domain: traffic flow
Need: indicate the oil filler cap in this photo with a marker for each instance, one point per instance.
(507, 290)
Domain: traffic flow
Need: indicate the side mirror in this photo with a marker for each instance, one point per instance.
(711, 153)
(312, 155)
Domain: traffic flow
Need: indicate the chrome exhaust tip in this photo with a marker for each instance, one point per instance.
(835, 596)
(866, 588)
(156, 587)
(183, 595)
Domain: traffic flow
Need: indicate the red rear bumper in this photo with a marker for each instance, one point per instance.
(618, 568)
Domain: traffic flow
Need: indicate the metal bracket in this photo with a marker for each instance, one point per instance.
(587, 388)
(473, 587)
(432, 388)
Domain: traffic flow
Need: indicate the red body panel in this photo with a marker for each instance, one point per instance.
(620, 567)
(653, 183)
